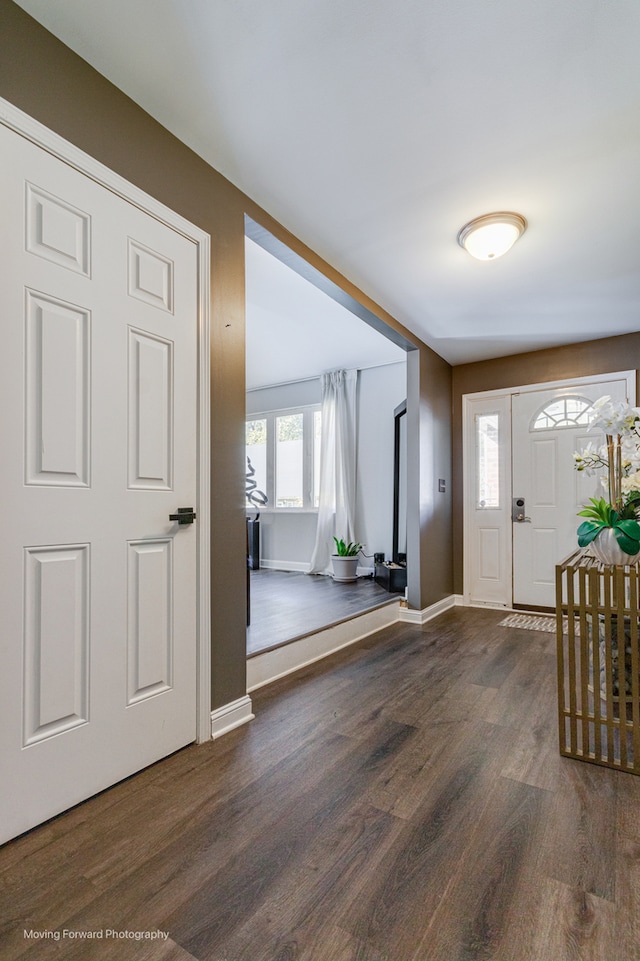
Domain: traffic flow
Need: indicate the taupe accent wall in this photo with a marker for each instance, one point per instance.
(43, 77)
(537, 367)
(429, 463)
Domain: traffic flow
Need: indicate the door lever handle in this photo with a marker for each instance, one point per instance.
(185, 515)
(518, 508)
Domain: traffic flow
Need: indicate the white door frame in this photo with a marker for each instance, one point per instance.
(40, 135)
(501, 394)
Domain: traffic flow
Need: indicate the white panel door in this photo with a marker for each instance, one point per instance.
(547, 428)
(98, 398)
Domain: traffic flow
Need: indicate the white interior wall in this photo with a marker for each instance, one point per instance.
(287, 539)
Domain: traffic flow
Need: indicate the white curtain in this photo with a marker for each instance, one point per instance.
(337, 503)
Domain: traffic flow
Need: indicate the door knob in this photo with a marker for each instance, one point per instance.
(185, 515)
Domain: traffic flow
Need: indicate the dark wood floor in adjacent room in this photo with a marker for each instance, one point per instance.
(286, 605)
(401, 801)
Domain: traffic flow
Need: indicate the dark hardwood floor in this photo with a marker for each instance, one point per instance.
(403, 800)
(286, 605)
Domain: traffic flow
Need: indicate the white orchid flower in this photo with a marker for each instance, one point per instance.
(615, 417)
(630, 483)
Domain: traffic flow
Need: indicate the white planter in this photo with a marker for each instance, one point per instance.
(344, 568)
(608, 551)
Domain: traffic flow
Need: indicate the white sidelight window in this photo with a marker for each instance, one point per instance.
(488, 460)
(487, 500)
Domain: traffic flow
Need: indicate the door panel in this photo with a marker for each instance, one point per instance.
(150, 635)
(553, 491)
(150, 411)
(98, 587)
(56, 641)
(57, 346)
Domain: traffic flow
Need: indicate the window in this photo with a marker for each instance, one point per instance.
(563, 412)
(283, 448)
(256, 448)
(289, 461)
(488, 461)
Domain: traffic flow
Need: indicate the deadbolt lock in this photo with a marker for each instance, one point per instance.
(518, 511)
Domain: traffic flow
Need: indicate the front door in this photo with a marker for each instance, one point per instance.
(98, 398)
(547, 427)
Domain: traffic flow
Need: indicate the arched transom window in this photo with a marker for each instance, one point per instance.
(563, 412)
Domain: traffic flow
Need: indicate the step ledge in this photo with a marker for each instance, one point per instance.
(266, 667)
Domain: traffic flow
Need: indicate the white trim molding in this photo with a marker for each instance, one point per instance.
(301, 567)
(408, 616)
(230, 716)
(269, 666)
(15, 119)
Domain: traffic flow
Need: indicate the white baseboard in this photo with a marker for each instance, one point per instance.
(264, 668)
(301, 567)
(230, 716)
(408, 616)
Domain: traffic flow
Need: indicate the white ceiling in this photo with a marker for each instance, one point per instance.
(296, 331)
(374, 130)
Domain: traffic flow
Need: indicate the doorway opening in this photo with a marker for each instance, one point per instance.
(521, 491)
(299, 326)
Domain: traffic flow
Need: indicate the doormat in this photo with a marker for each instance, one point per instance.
(537, 622)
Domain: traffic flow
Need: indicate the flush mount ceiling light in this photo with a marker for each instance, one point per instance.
(492, 235)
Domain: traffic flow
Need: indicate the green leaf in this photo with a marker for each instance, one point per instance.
(630, 528)
(628, 546)
(600, 510)
(629, 511)
(347, 550)
(588, 531)
(352, 549)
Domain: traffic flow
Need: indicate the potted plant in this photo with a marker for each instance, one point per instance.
(612, 527)
(345, 560)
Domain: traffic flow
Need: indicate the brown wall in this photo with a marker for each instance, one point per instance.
(48, 81)
(559, 363)
(429, 461)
